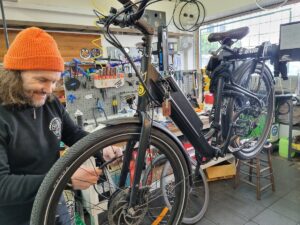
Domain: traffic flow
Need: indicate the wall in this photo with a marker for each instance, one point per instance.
(75, 12)
(218, 9)
(187, 57)
(79, 12)
(69, 44)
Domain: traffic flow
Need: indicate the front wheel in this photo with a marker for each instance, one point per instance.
(107, 201)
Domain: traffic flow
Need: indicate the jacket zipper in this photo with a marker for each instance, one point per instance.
(34, 114)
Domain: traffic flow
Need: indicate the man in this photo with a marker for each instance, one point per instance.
(32, 124)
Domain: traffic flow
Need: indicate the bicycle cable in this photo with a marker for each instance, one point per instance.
(183, 15)
(114, 41)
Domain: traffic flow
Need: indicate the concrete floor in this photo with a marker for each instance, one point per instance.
(239, 206)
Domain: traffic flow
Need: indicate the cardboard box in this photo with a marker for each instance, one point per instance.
(218, 172)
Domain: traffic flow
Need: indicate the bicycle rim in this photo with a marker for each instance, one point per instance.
(252, 120)
(198, 194)
(111, 201)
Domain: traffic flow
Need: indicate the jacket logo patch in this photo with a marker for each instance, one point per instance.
(55, 127)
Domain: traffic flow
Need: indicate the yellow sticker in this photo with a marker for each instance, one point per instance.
(141, 90)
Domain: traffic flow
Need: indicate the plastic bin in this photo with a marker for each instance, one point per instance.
(284, 147)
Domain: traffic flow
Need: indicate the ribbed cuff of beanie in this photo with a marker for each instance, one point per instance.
(34, 63)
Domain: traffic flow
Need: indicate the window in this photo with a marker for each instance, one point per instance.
(263, 25)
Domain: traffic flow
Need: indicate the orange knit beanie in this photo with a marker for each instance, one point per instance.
(33, 49)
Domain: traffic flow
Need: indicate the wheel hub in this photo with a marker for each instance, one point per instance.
(119, 212)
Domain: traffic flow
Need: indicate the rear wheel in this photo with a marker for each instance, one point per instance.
(107, 200)
(251, 118)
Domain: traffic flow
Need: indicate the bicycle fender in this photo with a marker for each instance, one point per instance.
(252, 62)
(135, 120)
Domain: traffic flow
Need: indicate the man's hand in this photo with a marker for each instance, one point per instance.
(112, 152)
(84, 177)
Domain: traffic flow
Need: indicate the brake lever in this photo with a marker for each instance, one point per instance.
(102, 21)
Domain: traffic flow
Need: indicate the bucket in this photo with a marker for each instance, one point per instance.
(284, 148)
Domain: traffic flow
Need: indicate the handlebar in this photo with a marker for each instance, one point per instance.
(130, 18)
(124, 2)
(140, 11)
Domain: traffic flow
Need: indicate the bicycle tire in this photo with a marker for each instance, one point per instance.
(55, 182)
(262, 86)
(198, 198)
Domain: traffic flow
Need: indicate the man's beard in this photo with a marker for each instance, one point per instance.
(32, 102)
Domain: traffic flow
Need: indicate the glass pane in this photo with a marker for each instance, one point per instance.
(264, 26)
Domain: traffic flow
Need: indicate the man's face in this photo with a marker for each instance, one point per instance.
(38, 85)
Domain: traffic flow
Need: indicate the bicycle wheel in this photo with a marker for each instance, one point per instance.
(251, 119)
(115, 207)
(198, 197)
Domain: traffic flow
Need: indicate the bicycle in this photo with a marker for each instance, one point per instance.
(161, 176)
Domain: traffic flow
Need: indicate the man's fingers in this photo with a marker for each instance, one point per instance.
(119, 152)
(98, 171)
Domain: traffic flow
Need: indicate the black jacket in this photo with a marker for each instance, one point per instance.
(29, 146)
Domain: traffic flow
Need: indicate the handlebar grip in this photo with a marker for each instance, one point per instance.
(128, 19)
(140, 11)
(124, 2)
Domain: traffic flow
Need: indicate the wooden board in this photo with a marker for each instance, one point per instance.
(69, 44)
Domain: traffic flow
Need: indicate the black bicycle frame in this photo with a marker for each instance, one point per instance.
(182, 113)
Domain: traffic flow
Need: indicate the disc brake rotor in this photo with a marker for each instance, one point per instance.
(120, 214)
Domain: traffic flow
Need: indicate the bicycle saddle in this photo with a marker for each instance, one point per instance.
(238, 34)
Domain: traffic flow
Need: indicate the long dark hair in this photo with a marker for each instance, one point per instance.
(11, 88)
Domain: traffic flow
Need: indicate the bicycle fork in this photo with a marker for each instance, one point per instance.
(139, 162)
(143, 146)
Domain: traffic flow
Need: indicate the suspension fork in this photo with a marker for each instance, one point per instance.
(140, 160)
(143, 102)
(126, 162)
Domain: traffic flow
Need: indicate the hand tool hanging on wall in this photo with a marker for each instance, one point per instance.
(71, 98)
(130, 100)
(86, 83)
(75, 65)
(72, 83)
(99, 108)
(114, 105)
